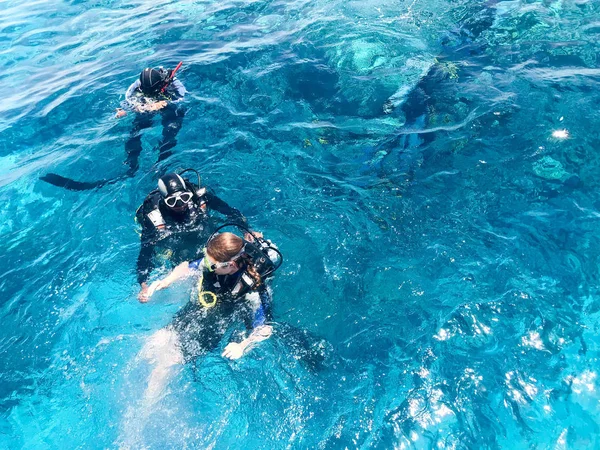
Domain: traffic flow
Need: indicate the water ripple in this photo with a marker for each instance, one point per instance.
(440, 243)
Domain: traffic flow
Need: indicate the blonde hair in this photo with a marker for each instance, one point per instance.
(225, 246)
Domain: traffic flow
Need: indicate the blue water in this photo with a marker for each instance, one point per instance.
(445, 283)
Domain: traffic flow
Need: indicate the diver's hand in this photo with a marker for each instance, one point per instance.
(259, 334)
(157, 286)
(120, 113)
(143, 295)
(157, 105)
(150, 106)
(234, 350)
(250, 236)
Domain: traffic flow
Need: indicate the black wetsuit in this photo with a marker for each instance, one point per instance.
(181, 237)
(171, 117)
(202, 328)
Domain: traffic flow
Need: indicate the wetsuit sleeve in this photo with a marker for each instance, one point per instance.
(130, 99)
(145, 261)
(262, 314)
(179, 89)
(233, 215)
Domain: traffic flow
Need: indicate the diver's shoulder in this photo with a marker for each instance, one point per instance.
(152, 199)
(149, 204)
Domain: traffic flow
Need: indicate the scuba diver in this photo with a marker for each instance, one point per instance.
(175, 217)
(155, 91)
(231, 286)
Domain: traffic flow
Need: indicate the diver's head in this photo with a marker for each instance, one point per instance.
(176, 195)
(224, 252)
(153, 80)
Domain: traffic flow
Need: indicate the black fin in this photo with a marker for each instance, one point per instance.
(72, 185)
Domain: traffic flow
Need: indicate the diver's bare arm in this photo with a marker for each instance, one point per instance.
(236, 350)
(259, 334)
(181, 271)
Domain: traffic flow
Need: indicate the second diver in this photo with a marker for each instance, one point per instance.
(174, 218)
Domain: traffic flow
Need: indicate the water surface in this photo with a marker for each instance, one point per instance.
(441, 245)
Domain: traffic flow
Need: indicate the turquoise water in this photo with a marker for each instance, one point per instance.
(439, 289)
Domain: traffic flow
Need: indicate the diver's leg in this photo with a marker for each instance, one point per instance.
(133, 146)
(172, 121)
(163, 350)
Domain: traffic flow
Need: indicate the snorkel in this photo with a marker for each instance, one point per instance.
(170, 77)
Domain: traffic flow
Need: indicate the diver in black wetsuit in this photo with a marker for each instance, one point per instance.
(232, 276)
(176, 218)
(157, 91)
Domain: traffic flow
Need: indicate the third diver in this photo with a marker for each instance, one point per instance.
(156, 91)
